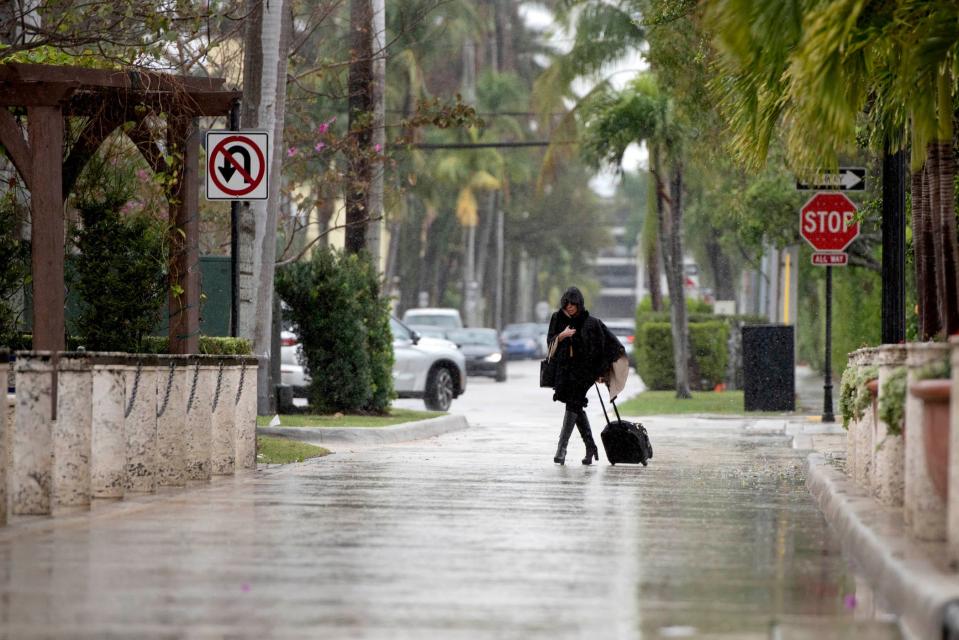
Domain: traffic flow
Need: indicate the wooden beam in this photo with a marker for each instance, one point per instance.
(124, 79)
(190, 103)
(183, 135)
(45, 125)
(35, 94)
(92, 136)
(152, 153)
(11, 137)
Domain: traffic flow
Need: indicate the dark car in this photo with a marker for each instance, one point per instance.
(525, 340)
(481, 347)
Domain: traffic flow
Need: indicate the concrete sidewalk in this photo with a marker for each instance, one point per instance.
(474, 534)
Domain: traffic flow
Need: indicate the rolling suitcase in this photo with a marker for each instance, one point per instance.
(624, 441)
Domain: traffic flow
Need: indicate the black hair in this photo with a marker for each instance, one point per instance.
(572, 296)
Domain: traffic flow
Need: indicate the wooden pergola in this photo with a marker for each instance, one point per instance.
(107, 100)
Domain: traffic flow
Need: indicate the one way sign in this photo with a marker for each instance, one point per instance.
(237, 165)
(846, 179)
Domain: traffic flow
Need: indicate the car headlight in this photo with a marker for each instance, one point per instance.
(493, 357)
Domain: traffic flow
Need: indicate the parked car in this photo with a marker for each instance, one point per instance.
(292, 373)
(442, 318)
(427, 368)
(625, 330)
(484, 356)
(525, 340)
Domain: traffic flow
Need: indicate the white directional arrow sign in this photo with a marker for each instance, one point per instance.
(846, 179)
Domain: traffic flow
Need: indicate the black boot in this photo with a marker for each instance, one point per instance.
(582, 423)
(569, 420)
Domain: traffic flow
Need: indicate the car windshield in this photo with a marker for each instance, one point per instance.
(440, 320)
(621, 331)
(428, 331)
(485, 337)
(399, 331)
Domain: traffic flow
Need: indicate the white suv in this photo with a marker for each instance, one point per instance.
(442, 318)
(427, 368)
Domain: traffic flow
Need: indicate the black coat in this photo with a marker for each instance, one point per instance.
(582, 358)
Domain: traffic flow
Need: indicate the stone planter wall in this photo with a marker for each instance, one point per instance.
(923, 510)
(865, 432)
(122, 424)
(952, 508)
(888, 478)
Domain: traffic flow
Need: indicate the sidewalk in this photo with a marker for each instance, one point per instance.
(914, 582)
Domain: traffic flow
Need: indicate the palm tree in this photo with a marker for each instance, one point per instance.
(816, 69)
(642, 113)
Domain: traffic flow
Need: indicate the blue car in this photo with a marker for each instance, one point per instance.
(524, 340)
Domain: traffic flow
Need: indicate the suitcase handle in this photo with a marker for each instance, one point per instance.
(604, 406)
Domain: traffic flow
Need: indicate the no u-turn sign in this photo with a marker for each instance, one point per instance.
(237, 165)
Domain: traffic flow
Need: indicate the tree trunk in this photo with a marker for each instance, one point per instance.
(650, 241)
(930, 318)
(360, 86)
(676, 277)
(264, 82)
(722, 270)
(376, 209)
(946, 229)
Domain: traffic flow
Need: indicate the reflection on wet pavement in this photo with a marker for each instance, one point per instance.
(472, 535)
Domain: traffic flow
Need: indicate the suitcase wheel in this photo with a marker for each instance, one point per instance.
(612, 464)
(645, 464)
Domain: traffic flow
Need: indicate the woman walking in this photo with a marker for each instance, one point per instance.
(585, 351)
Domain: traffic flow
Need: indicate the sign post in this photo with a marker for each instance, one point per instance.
(828, 223)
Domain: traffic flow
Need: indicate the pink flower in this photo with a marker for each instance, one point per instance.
(850, 601)
(323, 128)
(377, 147)
(291, 152)
(320, 146)
(142, 175)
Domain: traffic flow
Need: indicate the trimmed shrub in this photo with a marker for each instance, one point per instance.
(343, 325)
(120, 274)
(209, 345)
(708, 354)
(14, 266)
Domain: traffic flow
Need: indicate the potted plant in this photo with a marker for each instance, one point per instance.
(933, 387)
(855, 393)
(892, 402)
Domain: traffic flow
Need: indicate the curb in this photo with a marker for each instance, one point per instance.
(404, 432)
(900, 569)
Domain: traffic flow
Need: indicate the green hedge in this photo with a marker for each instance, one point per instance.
(209, 345)
(343, 325)
(709, 354)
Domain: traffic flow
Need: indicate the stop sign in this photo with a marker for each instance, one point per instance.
(827, 221)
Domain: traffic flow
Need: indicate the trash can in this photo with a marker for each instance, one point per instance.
(769, 367)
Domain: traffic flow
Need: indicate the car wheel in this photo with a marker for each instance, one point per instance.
(439, 389)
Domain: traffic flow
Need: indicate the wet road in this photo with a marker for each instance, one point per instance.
(475, 534)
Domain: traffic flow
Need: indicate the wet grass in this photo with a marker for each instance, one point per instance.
(650, 403)
(271, 450)
(396, 416)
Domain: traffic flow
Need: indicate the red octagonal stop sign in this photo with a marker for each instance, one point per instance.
(828, 221)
